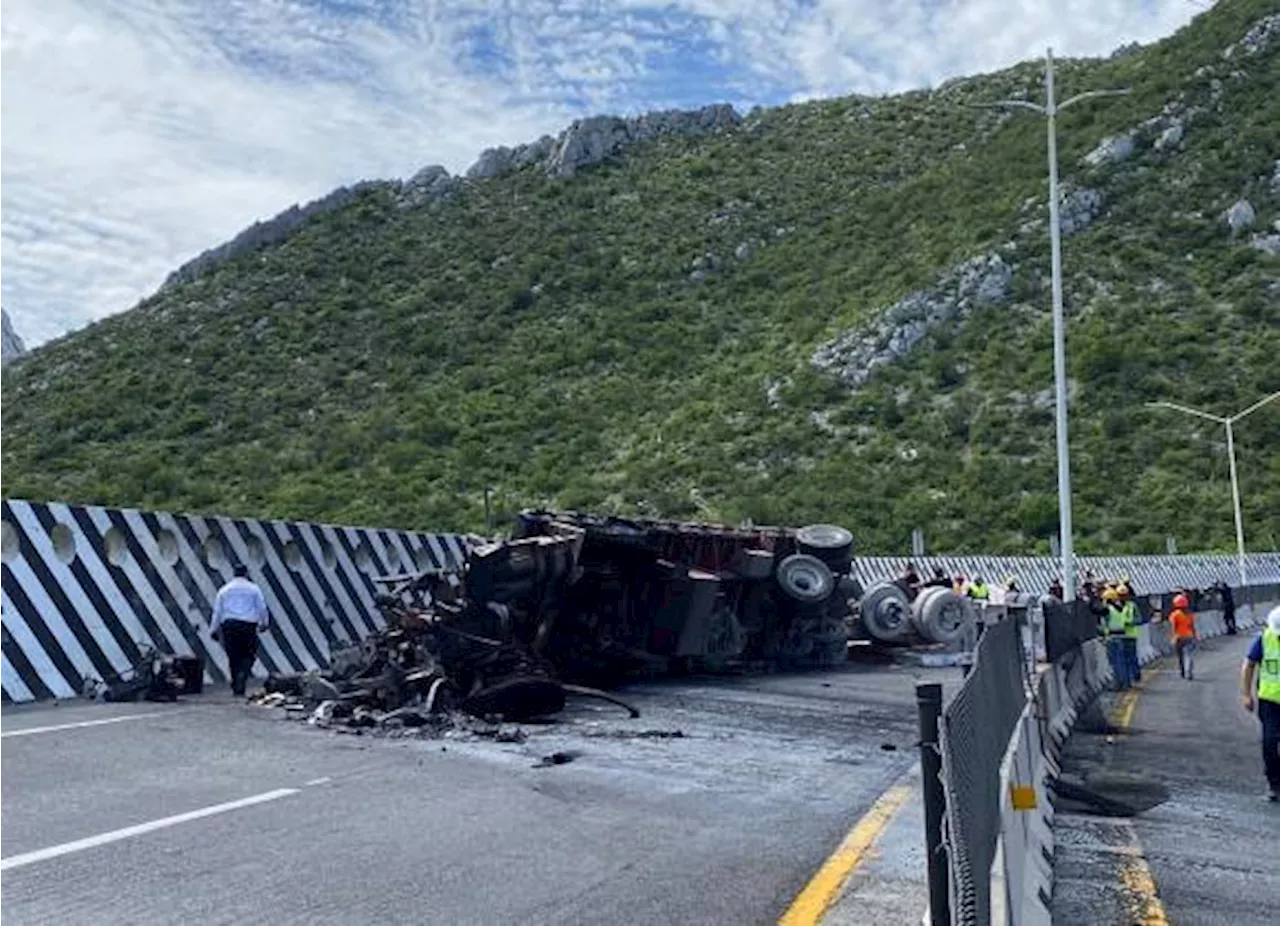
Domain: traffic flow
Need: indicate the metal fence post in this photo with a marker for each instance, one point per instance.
(929, 703)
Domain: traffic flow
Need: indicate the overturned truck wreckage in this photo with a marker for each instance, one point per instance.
(574, 600)
(666, 595)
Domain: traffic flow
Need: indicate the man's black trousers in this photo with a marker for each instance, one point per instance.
(1269, 714)
(240, 640)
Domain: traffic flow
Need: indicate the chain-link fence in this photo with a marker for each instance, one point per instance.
(976, 727)
(1066, 626)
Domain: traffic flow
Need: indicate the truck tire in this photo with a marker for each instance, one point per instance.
(885, 613)
(942, 616)
(828, 542)
(805, 579)
(752, 564)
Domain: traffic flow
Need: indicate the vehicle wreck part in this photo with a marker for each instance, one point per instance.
(828, 542)
(520, 698)
(886, 613)
(752, 564)
(849, 589)
(942, 616)
(805, 578)
(602, 695)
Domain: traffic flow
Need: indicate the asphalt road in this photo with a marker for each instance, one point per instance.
(1210, 848)
(723, 824)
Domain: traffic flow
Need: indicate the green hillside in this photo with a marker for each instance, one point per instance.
(569, 342)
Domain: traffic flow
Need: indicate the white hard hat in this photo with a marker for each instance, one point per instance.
(1273, 619)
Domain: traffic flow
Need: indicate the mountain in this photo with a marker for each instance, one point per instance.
(11, 346)
(828, 311)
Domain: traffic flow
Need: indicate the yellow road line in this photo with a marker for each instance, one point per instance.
(825, 886)
(1135, 875)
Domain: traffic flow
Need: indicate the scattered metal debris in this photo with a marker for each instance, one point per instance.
(576, 600)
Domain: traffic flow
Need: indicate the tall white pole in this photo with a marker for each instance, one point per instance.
(1235, 501)
(1059, 345)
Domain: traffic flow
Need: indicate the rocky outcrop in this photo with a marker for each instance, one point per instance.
(1110, 150)
(585, 142)
(429, 185)
(1240, 216)
(855, 355)
(1257, 40)
(1079, 208)
(272, 231)
(11, 346)
(590, 141)
(1267, 244)
(496, 161)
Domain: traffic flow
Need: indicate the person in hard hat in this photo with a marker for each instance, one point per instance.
(1132, 620)
(1182, 624)
(1260, 691)
(979, 590)
(1112, 627)
(960, 585)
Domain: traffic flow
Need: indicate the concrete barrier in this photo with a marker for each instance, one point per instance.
(87, 588)
(1022, 873)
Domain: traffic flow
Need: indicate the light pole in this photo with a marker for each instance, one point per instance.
(1050, 110)
(1229, 423)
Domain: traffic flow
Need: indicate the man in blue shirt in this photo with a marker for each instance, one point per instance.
(239, 615)
(1263, 664)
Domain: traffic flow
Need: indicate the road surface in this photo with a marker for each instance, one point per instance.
(217, 812)
(1208, 854)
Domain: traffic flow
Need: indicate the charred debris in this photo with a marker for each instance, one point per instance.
(574, 603)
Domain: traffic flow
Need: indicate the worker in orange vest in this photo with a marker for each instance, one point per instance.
(1182, 624)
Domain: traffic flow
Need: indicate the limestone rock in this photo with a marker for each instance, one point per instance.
(1110, 150)
(1240, 216)
(11, 346)
(1079, 208)
(1267, 244)
(855, 355)
(1257, 40)
(590, 141)
(1170, 137)
(431, 184)
(496, 161)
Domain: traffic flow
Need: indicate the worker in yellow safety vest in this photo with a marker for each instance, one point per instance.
(1113, 628)
(979, 590)
(1263, 664)
(1132, 618)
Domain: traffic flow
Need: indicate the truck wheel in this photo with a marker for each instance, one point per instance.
(885, 613)
(805, 578)
(942, 616)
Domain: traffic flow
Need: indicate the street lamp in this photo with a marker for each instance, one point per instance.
(1050, 110)
(1231, 456)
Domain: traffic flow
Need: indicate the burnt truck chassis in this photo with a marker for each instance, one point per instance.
(575, 600)
(653, 595)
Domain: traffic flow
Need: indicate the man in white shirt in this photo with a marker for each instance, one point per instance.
(239, 615)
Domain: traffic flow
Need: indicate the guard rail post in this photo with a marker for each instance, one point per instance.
(929, 703)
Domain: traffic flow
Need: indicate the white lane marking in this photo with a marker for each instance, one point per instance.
(102, 839)
(29, 731)
(318, 781)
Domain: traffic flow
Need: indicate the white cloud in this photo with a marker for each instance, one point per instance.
(140, 132)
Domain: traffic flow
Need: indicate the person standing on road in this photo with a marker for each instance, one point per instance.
(1263, 664)
(239, 615)
(1113, 629)
(1183, 624)
(1132, 619)
(979, 590)
(1228, 606)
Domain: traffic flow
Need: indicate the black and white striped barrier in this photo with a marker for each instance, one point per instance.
(86, 588)
(1150, 574)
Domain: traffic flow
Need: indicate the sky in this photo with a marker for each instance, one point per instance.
(138, 133)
